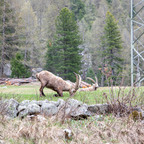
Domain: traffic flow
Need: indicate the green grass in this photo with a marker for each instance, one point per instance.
(31, 92)
(107, 130)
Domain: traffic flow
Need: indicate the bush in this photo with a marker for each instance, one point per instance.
(19, 70)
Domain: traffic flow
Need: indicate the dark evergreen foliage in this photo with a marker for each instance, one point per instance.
(8, 38)
(91, 74)
(112, 46)
(109, 1)
(63, 56)
(19, 70)
(78, 8)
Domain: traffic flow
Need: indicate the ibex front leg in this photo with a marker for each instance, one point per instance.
(41, 90)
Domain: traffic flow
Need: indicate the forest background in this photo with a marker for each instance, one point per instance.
(32, 28)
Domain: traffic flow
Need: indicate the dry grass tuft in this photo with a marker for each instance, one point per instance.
(110, 130)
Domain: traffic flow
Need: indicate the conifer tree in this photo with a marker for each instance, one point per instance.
(8, 38)
(64, 54)
(78, 8)
(113, 46)
(19, 70)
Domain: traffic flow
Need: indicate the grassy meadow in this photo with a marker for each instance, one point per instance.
(108, 129)
(101, 95)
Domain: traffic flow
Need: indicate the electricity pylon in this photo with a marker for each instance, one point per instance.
(137, 42)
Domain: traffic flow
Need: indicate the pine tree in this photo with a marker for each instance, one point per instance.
(50, 58)
(78, 8)
(19, 70)
(64, 54)
(113, 46)
(29, 31)
(91, 74)
(8, 38)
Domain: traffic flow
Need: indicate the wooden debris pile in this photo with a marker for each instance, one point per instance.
(82, 85)
(16, 81)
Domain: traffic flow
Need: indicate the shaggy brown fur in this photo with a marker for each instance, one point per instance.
(56, 83)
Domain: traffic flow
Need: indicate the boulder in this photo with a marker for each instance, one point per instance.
(80, 112)
(49, 109)
(25, 103)
(71, 105)
(9, 108)
(36, 70)
(99, 108)
(33, 109)
(61, 103)
(76, 109)
(7, 70)
(27, 108)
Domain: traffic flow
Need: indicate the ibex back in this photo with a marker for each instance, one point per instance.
(56, 83)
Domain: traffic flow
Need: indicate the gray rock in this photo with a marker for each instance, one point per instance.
(23, 113)
(71, 105)
(142, 114)
(56, 103)
(76, 109)
(33, 109)
(40, 103)
(49, 109)
(10, 107)
(25, 103)
(99, 108)
(21, 108)
(80, 112)
(61, 103)
(7, 69)
(28, 109)
(36, 70)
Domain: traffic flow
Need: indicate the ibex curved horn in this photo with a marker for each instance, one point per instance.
(91, 79)
(78, 81)
(96, 79)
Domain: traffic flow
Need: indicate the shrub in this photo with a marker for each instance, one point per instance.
(19, 70)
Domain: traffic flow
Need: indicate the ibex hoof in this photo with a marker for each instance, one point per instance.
(55, 95)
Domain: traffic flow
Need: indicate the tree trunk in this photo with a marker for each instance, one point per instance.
(3, 41)
(102, 77)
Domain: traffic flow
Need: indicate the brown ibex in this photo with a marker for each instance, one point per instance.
(57, 84)
(91, 88)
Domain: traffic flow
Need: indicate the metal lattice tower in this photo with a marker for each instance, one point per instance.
(137, 42)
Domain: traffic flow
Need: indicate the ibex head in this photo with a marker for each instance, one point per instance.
(95, 83)
(75, 87)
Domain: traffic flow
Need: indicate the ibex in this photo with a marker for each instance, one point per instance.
(91, 88)
(57, 84)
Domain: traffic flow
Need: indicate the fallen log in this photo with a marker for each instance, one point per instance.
(82, 85)
(16, 81)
